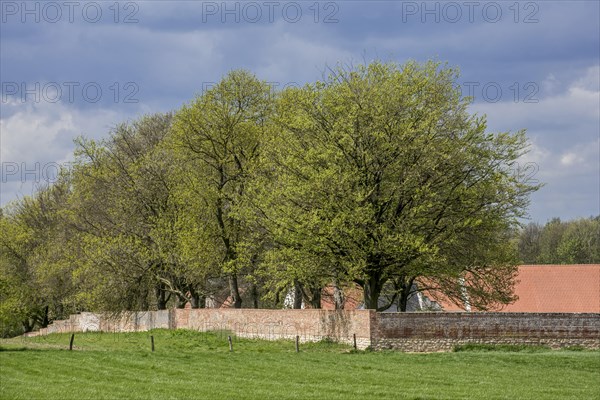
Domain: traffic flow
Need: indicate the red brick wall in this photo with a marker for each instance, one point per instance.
(442, 331)
(309, 324)
(402, 331)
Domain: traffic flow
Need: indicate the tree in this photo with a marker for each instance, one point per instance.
(550, 239)
(561, 242)
(35, 276)
(218, 137)
(126, 216)
(378, 175)
(18, 307)
(529, 243)
(580, 242)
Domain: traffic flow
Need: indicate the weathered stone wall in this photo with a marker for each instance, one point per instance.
(428, 332)
(442, 331)
(124, 322)
(309, 325)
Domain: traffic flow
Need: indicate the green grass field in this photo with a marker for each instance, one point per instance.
(192, 365)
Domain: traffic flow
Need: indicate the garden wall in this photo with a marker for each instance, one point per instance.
(309, 325)
(442, 331)
(436, 331)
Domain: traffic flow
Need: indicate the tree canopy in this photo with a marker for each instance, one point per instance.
(561, 242)
(379, 175)
(376, 176)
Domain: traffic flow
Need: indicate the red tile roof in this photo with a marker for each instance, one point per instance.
(557, 288)
(540, 288)
(554, 288)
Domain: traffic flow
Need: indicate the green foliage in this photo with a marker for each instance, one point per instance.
(376, 175)
(35, 286)
(379, 175)
(218, 138)
(126, 215)
(558, 242)
(529, 243)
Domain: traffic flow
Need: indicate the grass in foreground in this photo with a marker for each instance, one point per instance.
(189, 364)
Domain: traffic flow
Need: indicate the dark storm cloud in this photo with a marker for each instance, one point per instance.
(533, 66)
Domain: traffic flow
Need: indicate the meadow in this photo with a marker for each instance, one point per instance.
(195, 365)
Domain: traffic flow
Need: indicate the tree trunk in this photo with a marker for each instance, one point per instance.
(403, 298)
(45, 317)
(338, 297)
(144, 303)
(161, 301)
(405, 290)
(277, 297)
(315, 297)
(181, 301)
(254, 293)
(371, 292)
(297, 296)
(196, 300)
(234, 291)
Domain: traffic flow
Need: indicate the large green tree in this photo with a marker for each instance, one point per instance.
(378, 175)
(580, 242)
(218, 138)
(127, 219)
(35, 271)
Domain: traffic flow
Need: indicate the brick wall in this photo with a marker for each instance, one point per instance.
(403, 331)
(309, 325)
(442, 331)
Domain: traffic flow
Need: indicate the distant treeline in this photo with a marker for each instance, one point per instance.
(561, 242)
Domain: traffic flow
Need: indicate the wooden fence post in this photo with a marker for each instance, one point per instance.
(71, 341)
(297, 344)
(152, 341)
(230, 343)
(354, 337)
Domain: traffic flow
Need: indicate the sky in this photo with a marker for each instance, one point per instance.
(72, 68)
